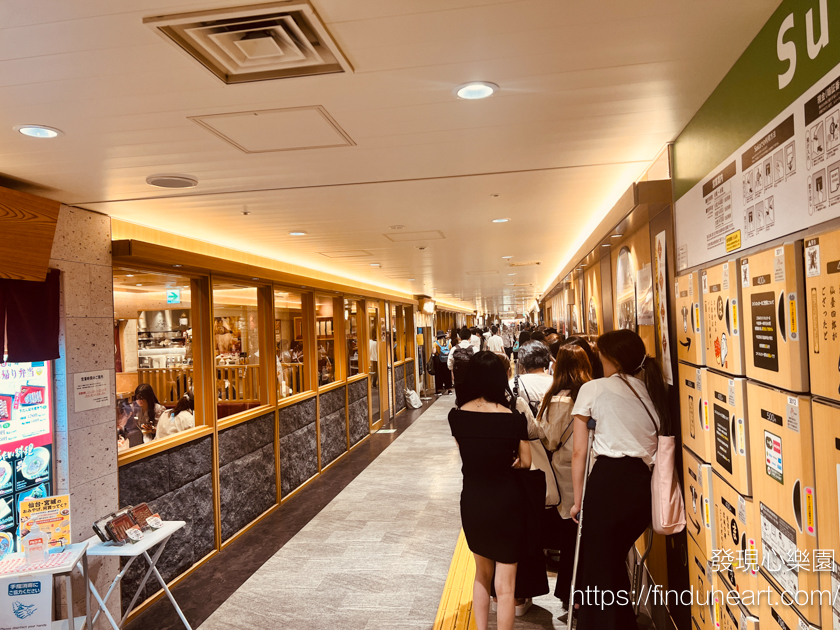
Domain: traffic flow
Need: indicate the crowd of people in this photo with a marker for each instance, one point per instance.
(523, 400)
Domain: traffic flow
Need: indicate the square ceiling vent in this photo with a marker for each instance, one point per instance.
(269, 130)
(258, 42)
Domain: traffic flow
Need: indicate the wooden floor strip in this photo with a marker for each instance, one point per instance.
(455, 610)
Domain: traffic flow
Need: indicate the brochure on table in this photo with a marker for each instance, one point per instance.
(784, 179)
(26, 442)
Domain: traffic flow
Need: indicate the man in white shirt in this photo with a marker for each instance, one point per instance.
(533, 360)
(495, 342)
(475, 340)
(507, 340)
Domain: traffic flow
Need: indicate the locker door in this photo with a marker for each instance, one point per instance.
(725, 403)
(822, 286)
(690, 347)
(774, 338)
(736, 531)
(729, 615)
(700, 578)
(780, 616)
(723, 333)
(695, 425)
(697, 476)
(827, 464)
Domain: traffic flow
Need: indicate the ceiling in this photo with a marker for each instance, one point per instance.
(589, 94)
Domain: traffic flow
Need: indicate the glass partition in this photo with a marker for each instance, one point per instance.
(236, 335)
(290, 344)
(153, 356)
(352, 315)
(325, 334)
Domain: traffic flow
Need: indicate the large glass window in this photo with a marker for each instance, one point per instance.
(325, 334)
(352, 317)
(153, 346)
(236, 343)
(290, 343)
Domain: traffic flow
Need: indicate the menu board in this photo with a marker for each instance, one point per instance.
(26, 425)
(784, 179)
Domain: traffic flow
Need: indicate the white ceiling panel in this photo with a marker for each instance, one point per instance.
(589, 94)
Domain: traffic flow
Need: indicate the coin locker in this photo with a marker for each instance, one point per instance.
(690, 346)
(783, 481)
(822, 287)
(725, 405)
(697, 476)
(729, 611)
(775, 346)
(827, 466)
(696, 434)
(736, 535)
(775, 615)
(700, 579)
(723, 336)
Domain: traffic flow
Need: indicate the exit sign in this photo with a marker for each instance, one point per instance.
(173, 296)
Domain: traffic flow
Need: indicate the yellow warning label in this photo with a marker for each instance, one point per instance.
(706, 518)
(809, 511)
(793, 314)
(734, 316)
(705, 415)
(733, 241)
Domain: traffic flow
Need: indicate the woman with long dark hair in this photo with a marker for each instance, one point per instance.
(180, 418)
(630, 407)
(493, 442)
(150, 410)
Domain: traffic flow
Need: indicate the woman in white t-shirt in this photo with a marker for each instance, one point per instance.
(628, 406)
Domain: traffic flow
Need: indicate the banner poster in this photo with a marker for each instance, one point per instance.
(661, 307)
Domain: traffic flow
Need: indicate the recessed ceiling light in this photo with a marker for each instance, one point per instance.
(411, 279)
(500, 220)
(476, 90)
(171, 181)
(129, 275)
(138, 284)
(297, 233)
(605, 245)
(506, 257)
(254, 278)
(616, 235)
(396, 227)
(511, 274)
(39, 131)
(375, 265)
(177, 265)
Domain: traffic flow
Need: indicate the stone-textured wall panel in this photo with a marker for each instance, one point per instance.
(357, 390)
(399, 373)
(359, 427)
(178, 485)
(399, 393)
(247, 477)
(298, 458)
(333, 436)
(331, 401)
(297, 416)
(409, 377)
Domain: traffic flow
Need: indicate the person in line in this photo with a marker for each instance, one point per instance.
(538, 336)
(630, 407)
(493, 442)
(594, 359)
(524, 337)
(440, 351)
(181, 418)
(495, 342)
(554, 427)
(507, 340)
(459, 358)
(149, 410)
(373, 356)
(532, 380)
(475, 339)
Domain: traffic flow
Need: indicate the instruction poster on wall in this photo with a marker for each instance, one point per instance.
(784, 179)
(660, 306)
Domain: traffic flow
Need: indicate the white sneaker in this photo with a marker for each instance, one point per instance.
(523, 608)
(494, 605)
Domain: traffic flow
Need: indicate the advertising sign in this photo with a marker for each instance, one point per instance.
(26, 441)
(52, 515)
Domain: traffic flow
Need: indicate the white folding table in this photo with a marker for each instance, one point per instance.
(132, 552)
(77, 554)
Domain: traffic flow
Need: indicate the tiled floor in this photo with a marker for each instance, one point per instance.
(377, 556)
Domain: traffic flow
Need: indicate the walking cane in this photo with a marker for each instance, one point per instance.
(590, 424)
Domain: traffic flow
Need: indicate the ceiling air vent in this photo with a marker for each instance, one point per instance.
(258, 42)
(525, 264)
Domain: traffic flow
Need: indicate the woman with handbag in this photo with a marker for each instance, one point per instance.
(630, 406)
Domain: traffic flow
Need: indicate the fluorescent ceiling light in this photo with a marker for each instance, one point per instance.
(606, 245)
(297, 233)
(476, 90)
(39, 131)
(500, 220)
(616, 235)
(375, 265)
(506, 257)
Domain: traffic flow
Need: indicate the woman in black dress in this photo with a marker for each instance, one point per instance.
(493, 442)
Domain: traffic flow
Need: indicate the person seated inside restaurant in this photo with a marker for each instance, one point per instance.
(181, 418)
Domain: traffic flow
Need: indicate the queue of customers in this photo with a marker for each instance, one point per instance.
(516, 427)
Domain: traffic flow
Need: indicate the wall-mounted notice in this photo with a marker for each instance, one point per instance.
(91, 390)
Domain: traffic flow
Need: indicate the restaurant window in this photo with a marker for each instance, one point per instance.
(408, 332)
(153, 343)
(325, 334)
(290, 343)
(352, 317)
(236, 347)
